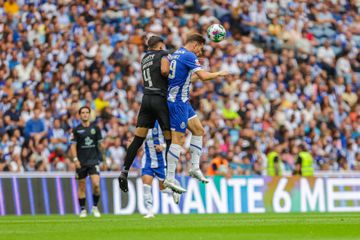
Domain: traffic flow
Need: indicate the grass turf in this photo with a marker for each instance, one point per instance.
(185, 227)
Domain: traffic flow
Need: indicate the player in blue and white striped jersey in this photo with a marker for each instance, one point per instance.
(154, 165)
(185, 66)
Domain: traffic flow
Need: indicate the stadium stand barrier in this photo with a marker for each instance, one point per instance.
(56, 193)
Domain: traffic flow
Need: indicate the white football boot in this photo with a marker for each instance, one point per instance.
(171, 183)
(196, 173)
(83, 214)
(96, 212)
(150, 214)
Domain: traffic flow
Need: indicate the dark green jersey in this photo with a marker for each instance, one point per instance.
(87, 140)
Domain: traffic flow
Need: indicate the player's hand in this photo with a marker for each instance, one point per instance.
(224, 73)
(159, 148)
(77, 165)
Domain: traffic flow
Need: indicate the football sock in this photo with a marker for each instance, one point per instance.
(168, 143)
(173, 158)
(95, 200)
(82, 203)
(148, 200)
(131, 153)
(195, 151)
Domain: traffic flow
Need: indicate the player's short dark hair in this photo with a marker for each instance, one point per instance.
(195, 38)
(84, 107)
(153, 41)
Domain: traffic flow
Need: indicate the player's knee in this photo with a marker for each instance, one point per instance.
(82, 187)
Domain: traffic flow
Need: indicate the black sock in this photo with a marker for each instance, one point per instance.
(131, 153)
(95, 200)
(82, 203)
(168, 143)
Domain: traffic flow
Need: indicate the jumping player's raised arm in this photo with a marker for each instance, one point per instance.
(206, 76)
(193, 63)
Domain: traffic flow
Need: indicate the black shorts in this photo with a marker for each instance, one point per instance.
(154, 107)
(85, 171)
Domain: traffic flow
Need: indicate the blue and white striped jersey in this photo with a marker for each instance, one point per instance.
(183, 64)
(151, 158)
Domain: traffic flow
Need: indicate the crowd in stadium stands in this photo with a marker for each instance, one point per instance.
(295, 79)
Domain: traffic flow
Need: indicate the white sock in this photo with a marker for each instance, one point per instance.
(148, 200)
(195, 151)
(172, 158)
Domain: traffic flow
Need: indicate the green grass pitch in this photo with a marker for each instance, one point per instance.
(185, 227)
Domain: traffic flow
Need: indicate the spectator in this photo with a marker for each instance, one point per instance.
(326, 57)
(219, 166)
(35, 127)
(11, 7)
(58, 137)
(117, 154)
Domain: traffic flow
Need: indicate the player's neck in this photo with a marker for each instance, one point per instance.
(85, 124)
(188, 47)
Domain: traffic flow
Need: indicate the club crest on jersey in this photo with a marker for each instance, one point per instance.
(92, 131)
(155, 131)
(182, 125)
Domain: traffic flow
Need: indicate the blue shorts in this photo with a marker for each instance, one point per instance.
(180, 113)
(154, 172)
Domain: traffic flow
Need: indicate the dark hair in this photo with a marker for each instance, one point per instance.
(153, 41)
(302, 147)
(84, 107)
(195, 38)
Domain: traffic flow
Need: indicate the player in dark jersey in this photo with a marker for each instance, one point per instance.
(86, 150)
(155, 70)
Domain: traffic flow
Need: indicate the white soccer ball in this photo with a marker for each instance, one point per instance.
(216, 32)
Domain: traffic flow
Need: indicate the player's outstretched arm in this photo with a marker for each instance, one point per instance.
(206, 76)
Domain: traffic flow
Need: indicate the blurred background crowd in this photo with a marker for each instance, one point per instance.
(295, 79)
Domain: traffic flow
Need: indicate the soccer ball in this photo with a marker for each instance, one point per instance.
(216, 32)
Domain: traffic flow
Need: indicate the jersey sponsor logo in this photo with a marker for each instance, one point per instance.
(182, 125)
(93, 131)
(88, 141)
(148, 58)
(81, 131)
